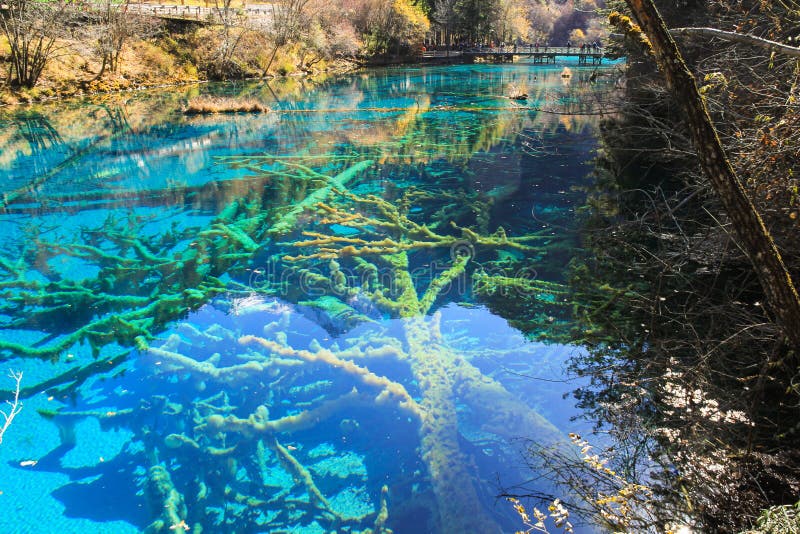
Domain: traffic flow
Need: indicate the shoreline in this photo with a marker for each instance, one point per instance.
(54, 90)
(11, 99)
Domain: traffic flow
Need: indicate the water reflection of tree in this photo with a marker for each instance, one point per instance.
(670, 337)
(35, 136)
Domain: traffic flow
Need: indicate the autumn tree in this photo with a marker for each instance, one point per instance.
(32, 29)
(392, 24)
(577, 36)
(410, 24)
(327, 35)
(512, 22)
(542, 16)
(290, 20)
(234, 26)
(445, 16)
(111, 27)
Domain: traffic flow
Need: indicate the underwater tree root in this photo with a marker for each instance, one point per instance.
(163, 497)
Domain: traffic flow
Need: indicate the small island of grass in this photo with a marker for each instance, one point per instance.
(206, 105)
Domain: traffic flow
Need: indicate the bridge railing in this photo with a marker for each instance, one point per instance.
(520, 50)
(441, 53)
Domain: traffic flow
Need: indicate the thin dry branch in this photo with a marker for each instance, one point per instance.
(740, 38)
(16, 407)
(749, 227)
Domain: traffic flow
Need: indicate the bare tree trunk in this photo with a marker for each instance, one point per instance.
(286, 16)
(747, 224)
(30, 30)
(269, 63)
(100, 72)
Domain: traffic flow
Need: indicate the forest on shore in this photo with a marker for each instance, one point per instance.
(62, 47)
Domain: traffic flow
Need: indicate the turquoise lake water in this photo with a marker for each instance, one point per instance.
(348, 314)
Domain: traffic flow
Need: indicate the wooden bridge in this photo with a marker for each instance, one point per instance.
(539, 54)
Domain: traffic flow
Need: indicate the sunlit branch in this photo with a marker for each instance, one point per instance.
(743, 38)
(15, 405)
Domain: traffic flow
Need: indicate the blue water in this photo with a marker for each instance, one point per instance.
(140, 247)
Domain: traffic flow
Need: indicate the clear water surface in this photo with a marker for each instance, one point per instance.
(347, 314)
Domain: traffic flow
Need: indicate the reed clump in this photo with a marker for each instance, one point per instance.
(516, 92)
(206, 105)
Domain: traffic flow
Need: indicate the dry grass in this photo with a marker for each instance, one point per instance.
(205, 105)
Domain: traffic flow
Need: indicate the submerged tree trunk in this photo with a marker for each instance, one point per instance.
(747, 224)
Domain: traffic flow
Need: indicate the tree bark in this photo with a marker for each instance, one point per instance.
(748, 226)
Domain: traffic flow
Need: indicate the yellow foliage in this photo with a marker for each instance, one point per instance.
(626, 26)
(557, 513)
(617, 510)
(412, 19)
(155, 58)
(515, 18)
(284, 67)
(577, 36)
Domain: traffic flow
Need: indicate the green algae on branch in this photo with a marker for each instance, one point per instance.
(141, 285)
(438, 284)
(441, 374)
(437, 378)
(163, 496)
(288, 221)
(238, 473)
(388, 220)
